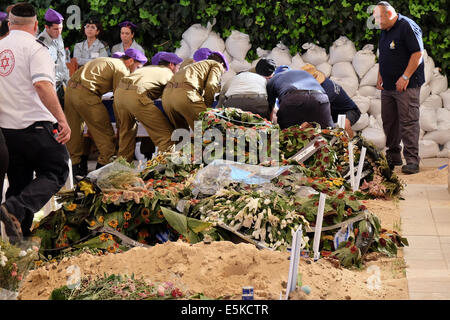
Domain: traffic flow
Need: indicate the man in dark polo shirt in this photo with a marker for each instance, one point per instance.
(301, 97)
(400, 77)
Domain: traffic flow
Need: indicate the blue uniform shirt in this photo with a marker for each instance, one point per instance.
(290, 80)
(396, 46)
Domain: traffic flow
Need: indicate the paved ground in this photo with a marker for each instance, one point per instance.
(425, 215)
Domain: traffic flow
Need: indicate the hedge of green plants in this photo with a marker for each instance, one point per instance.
(293, 22)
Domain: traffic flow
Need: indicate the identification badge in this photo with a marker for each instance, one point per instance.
(94, 55)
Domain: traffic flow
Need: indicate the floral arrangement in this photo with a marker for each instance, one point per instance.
(117, 287)
(15, 261)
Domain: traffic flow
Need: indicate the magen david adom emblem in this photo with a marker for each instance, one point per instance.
(7, 62)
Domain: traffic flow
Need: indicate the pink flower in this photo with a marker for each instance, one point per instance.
(19, 277)
(14, 274)
(161, 291)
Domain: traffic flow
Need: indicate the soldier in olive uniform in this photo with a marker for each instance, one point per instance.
(192, 90)
(84, 104)
(134, 99)
(51, 37)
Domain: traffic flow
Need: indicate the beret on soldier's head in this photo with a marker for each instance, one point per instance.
(127, 24)
(220, 54)
(3, 16)
(170, 57)
(201, 54)
(118, 54)
(53, 16)
(136, 55)
(265, 67)
(155, 59)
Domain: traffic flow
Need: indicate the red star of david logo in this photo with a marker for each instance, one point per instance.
(7, 62)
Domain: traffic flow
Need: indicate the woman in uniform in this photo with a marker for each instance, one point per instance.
(127, 33)
(92, 47)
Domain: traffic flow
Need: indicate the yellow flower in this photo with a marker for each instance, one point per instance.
(145, 213)
(38, 263)
(338, 181)
(72, 206)
(328, 238)
(160, 214)
(87, 187)
(113, 223)
(127, 215)
(92, 223)
(104, 237)
(111, 249)
(101, 219)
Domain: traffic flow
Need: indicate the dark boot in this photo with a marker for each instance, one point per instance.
(78, 173)
(99, 165)
(410, 168)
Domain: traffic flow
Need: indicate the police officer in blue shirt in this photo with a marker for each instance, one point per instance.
(400, 77)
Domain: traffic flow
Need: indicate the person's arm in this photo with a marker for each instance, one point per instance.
(413, 64)
(379, 82)
(271, 95)
(48, 96)
(212, 84)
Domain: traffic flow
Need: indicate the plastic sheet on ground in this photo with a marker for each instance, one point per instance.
(113, 175)
(220, 173)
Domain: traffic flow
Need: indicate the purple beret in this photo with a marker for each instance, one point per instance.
(156, 57)
(202, 54)
(136, 55)
(227, 66)
(3, 15)
(118, 54)
(53, 16)
(170, 57)
(127, 24)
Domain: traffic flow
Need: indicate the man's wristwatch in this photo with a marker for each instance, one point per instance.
(405, 77)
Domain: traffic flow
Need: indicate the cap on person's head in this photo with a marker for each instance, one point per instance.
(136, 55)
(201, 54)
(3, 15)
(265, 67)
(170, 57)
(282, 68)
(155, 59)
(127, 24)
(118, 54)
(220, 54)
(53, 16)
(22, 9)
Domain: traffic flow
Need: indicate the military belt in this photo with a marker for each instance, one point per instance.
(179, 85)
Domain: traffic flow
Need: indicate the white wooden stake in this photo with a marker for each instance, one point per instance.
(341, 121)
(318, 228)
(360, 167)
(295, 258)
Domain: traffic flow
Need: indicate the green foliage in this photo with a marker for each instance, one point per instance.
(293, 22)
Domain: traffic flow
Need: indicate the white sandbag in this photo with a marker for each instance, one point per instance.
(376, 136)
(438, 136)
(342, 50)
(427, 120)
(362, 102)
(433, 101)
(373, 123)
(350, 84)
(445, 99)
(184, 52)
(214, 42)
(428, 149)
(428, 69)
(343, 70)
(239, 66)
(195, 35)
(362, 122)
(281, 55)
(371, 77)
(314, 54)
(380, 121)
(364, 60)
(377, 93)
(443, 119)
(444, 153)
(297, 62)
(262, 53)
(425, 92)
(439, 82)
(375, 107)
(421, 134)
(227, 76)
(325, 68)
(367, 91)
(238, 44)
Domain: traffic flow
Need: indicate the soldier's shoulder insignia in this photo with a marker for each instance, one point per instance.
(41, 41)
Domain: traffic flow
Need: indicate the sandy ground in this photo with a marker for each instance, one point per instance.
(221, 269)
(425, 176)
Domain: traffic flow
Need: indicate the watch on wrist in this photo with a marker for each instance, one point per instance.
(405, 77)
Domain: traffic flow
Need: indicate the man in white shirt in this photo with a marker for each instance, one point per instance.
(32, 122)
(247, 90)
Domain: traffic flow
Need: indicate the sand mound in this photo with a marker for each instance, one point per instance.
(425, 176)
(221, 269)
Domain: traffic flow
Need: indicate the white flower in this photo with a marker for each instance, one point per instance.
(267, 201)
(22, 253)
(3, 259)
(248, 221)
